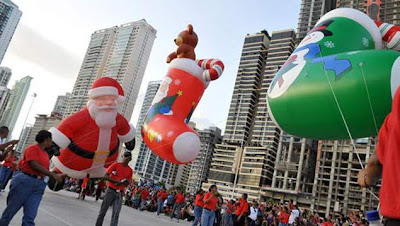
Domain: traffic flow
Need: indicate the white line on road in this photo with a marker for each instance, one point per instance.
(41, 209)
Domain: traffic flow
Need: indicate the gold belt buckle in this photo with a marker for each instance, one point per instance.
(100, 156)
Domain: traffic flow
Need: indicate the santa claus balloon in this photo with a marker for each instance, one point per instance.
(90, 139)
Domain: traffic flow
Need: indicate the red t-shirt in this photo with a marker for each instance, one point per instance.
(8, 162)
(34, 153)
(101, 185)
(212, 203)
(243, 207)
(118, 171)
(285, 219)
(230, 208)
(179, 198)
(327, 223)
(85, 181)
(388, 150)
(162, 195)
(144, 194)
(199, 201)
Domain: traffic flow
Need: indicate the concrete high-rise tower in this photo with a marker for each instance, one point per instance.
(228, 156)
(5, 75)
(199, 169)
(9, 19)
(14, 104)
(119, 52)
(310, 12)
(61, 105)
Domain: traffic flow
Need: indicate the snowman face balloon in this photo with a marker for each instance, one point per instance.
(312, 37)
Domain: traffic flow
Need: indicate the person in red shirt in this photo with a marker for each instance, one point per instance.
(328, 221)
(230, 208)
(242, 211)
(100, 187)
(144, 194)
(179, 204)
(283, 216)
(210, 205)
(385, 162)
(198, 206)
(119, 175)
(6, 170)
(28, 185)
(161, 197)
(84, 187)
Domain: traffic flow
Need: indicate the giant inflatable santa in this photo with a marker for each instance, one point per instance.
(90, 139)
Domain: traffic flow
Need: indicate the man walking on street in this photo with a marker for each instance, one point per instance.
(119, 175)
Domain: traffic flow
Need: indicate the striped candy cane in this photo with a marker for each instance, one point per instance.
(213, 68)
(390, 34)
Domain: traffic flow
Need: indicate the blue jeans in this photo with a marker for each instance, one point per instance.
(27, 192)
(5, 172)
(207, 218)
(228, 219)
(160, 206)
(197, 215)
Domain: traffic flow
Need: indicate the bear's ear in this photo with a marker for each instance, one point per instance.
(190, 29)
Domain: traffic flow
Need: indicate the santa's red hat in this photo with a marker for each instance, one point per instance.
(106, 86)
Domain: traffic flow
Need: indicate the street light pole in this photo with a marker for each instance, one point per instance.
(26, 118)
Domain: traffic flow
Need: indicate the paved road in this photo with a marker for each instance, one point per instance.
(62, 208)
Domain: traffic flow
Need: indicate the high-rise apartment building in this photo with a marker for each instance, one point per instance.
(5, 75)
(14, 104)
(5, 98)
(199, 170)
(383, 10)
(310, 12)
(9, 19)
(23, 140)
(42, 122)
(119, 52)
(148, 165)
(228, 156)
(335, 186)
(141, 151)
(60, 105)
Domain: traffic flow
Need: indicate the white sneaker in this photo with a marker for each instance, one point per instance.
(177, 221)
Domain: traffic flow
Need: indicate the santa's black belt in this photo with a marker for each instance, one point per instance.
(88, 154)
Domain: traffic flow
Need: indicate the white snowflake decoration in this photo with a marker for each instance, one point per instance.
(177, 82)
(352, 53)
(157, 119)
(365, 41)
(170, 133)
(329, 44)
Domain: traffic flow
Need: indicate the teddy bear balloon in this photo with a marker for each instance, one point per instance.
(165, 130)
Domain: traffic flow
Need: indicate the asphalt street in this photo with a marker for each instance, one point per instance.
(63, 208)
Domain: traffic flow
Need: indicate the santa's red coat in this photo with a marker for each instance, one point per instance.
(80, 129)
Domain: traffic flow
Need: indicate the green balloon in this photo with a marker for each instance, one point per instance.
(333, 79)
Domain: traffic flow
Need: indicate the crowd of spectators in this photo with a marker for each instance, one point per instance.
(178, 205)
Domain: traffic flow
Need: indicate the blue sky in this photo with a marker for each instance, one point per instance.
(51, 40)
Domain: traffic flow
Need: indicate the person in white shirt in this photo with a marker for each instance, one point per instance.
(253, 214)
(295, 213)
(5, 147)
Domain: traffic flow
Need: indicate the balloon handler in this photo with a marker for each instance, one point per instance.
(89, 140)
(165, 130)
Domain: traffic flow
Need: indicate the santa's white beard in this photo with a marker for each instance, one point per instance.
(103, 119)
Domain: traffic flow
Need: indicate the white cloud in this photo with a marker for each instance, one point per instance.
(29, 45)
